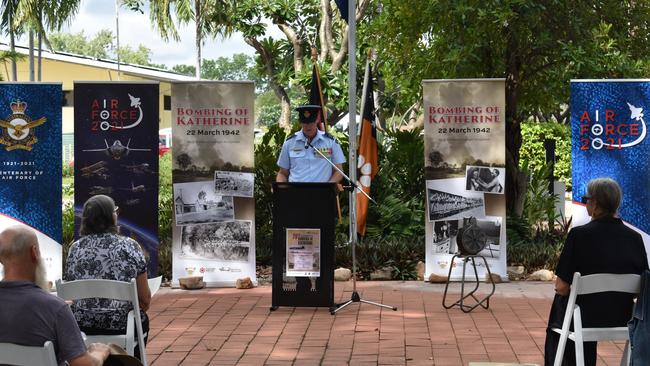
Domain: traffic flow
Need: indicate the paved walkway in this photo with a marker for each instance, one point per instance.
(229, 326)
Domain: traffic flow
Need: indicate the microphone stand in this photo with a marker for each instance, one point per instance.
(351, 187)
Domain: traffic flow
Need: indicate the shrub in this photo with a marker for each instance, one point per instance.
(536, 239)
(165, 215)
(399, 253)
(532, 148)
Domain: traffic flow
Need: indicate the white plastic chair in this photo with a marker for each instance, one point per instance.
(154, 284)
(602, 282)
(109, 289)
(13, 354)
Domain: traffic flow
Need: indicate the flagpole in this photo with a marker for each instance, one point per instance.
(352, 162)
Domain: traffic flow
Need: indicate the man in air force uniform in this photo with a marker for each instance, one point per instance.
(299, 162)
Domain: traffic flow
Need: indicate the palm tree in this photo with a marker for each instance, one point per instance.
(7, 25)
(209, 16)
(40, 16)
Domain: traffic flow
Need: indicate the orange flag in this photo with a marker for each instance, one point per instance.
(368, 159)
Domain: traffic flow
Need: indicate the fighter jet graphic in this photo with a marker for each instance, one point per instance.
(138, 168)
(636, 113)
(117, 151)
(132, 202)
(98, 169)
(94, 190)
(135, 189)
(135, 103)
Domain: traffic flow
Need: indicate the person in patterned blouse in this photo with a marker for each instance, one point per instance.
(101, 253)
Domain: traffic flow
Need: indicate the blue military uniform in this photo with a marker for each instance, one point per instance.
(305, 164)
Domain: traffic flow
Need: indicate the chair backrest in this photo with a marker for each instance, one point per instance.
(13, 354)
(605, 282)
(107, 289)
(154, 284)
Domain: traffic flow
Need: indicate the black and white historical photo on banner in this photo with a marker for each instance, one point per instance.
(198, 203)
(448, 199)
(233, 183)
(303, 252)
(485, 179)
(444, 236)
(481, 232)
(223, 241)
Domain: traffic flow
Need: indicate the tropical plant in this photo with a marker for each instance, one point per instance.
(536, 238)
(165, 215)
(532, 151)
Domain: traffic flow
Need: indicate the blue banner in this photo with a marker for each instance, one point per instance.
(30, 164)
(608, 132)
(116, 154)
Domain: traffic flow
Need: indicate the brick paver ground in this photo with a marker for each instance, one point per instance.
(229, 326)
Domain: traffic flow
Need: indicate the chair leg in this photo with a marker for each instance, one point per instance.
(625, 360)
(579, 342)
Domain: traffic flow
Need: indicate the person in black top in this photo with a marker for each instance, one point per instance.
(604, 245)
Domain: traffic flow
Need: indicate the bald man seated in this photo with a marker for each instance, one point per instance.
(29, 316)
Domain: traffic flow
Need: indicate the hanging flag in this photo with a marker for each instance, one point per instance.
(343, 8)
(368, 159)
(316, 97)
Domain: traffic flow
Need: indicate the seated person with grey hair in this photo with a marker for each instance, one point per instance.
(29, 316)
(604, 245)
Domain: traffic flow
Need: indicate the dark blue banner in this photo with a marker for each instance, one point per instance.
(116, 154)
(609, 133)
(30, 164)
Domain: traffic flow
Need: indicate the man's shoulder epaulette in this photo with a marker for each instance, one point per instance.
(326, 134)
(290, 137)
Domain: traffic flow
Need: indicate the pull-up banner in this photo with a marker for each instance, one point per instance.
(30, 165)
(212, 172)
(116, 154)
(609, 139)
(464, 147)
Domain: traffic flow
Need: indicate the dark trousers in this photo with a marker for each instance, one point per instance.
(145, 332)
(555, 319)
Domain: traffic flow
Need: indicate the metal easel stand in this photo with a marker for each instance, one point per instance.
(485, 302)
(351, 188)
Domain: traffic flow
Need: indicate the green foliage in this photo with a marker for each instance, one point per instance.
(532, 151)
(68, 223)
(239, 66)
(100, 46)
(266, 153)
(165, 215)
(397, 252)
(536, 239)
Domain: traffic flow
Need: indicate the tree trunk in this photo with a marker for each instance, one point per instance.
(197, 11)
(31, 55)
(12, 44)
(516, 180)
(297, 43)
(40, 60)
(279, 90)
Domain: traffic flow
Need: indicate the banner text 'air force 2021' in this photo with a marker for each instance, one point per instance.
(609, 139)
(116, 154)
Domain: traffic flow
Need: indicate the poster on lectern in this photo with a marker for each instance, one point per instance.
(213, 234)
(116, 154)
(464, 158)
(30, 165)
(608, 139)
